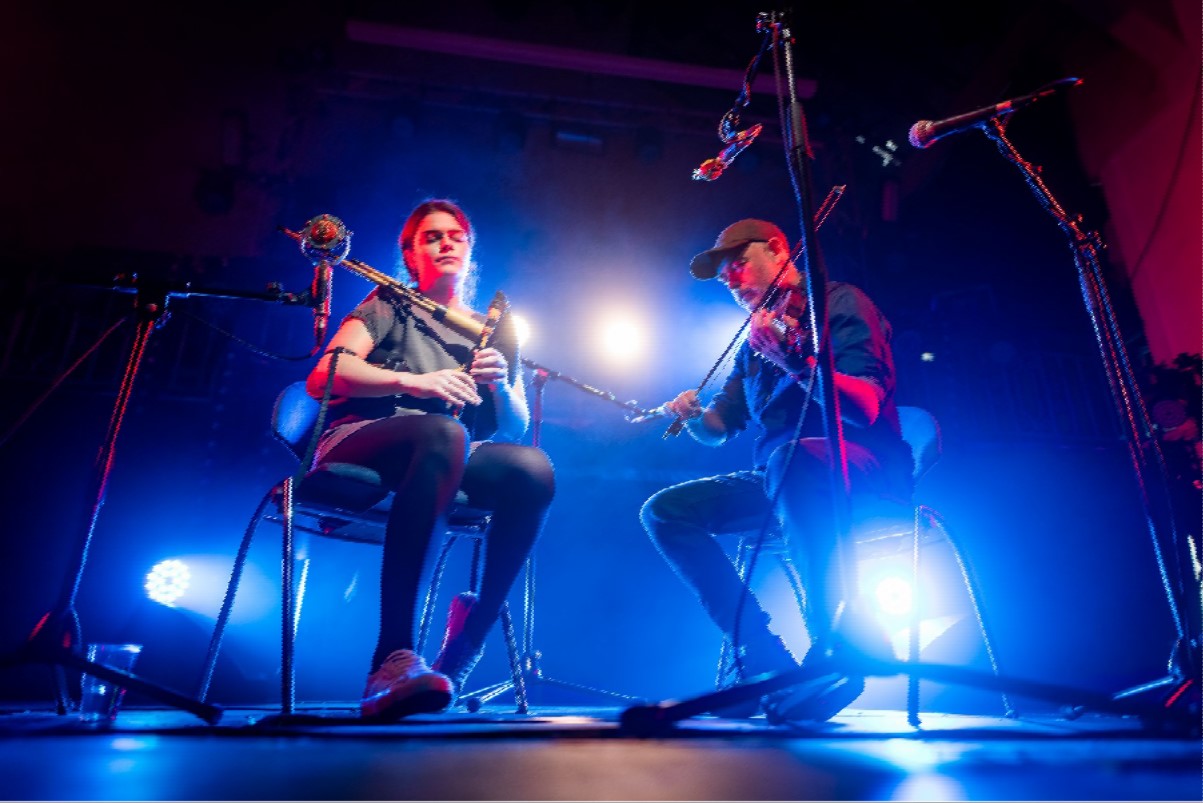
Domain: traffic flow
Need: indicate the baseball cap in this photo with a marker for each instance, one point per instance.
(736, 236)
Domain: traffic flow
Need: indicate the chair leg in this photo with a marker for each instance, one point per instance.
(223, 617)
(511, 648)
(432, 593)
(973, 587)
(302, 584)
(288, 680)
(726, 674)
(794, 579)
(528, 617)
(912, 654)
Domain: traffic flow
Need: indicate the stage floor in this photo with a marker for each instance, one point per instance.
(570, 753)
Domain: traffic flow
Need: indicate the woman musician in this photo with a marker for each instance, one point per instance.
(401, 380)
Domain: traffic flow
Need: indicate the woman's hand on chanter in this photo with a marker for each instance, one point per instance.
(489, 366)
(449, 384)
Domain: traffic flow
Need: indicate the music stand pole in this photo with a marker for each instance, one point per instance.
(57, 639)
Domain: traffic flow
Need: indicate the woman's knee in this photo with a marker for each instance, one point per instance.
(443, 435)
(528, 476)
(440, 444)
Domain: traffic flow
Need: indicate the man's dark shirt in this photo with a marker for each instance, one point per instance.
(758, 391)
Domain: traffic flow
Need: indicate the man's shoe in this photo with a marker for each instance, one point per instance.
(816, 700)
(766, 655)
(832, 687)
(402, 685)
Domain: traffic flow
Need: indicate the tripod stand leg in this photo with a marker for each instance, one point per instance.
(657, 718)
(49, 644)
(56, 639)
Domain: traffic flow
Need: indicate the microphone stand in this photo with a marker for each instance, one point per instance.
(1173, 553)
(57, 639)
(532, 672)
(839, 658)
(814, 273)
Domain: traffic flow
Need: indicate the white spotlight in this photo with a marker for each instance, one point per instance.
(522, 327)
(894, 596)
(167, 581)
(622, 340)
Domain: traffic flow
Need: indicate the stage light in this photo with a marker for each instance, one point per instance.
(894, 596)
(522, 328)
(167, 581)
(622, 340)
(197, 583)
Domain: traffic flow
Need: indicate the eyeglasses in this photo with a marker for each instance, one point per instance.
(432, 236)
(734, 263)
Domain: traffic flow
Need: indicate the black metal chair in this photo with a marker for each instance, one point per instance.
(887, 528)
(346, 502)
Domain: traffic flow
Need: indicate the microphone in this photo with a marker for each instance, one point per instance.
(711, 169)
(926, 132)
(325, 241)
(320, 292)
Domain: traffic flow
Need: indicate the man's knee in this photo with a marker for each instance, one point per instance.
(798, 467)
(659, 514)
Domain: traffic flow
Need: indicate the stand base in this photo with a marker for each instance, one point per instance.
(55, 644)
(473, 700)
(1173, 712)
(1166, 702)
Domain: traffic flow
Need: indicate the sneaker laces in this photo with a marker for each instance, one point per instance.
(398, 664)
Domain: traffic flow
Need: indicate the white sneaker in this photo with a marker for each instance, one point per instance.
(404, 685)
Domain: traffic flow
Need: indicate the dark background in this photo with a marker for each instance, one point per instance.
(172, 141)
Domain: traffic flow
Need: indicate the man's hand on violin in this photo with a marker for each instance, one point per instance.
(488, 367)
(780, 339)
(767, 337)
(685, 406)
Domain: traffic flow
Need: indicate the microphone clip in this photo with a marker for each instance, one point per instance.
(711, 169)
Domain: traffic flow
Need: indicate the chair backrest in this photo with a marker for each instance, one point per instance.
(922, 433)
(294, 416)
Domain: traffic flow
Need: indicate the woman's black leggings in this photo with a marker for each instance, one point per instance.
(423, 458)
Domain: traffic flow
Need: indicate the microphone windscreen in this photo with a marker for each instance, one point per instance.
(919, 133)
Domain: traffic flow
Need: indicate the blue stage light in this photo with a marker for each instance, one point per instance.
(893, 595)
(167, 581)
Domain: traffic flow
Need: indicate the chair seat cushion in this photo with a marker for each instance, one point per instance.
(349, 488)
(343, 486)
